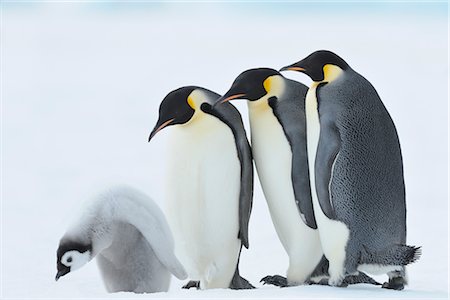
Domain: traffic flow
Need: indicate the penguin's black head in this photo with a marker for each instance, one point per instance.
(71, 255)
(176, 108)
(320, 65)
(251, 85)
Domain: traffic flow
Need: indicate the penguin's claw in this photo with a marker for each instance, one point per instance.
(192, 284)
(276, 280)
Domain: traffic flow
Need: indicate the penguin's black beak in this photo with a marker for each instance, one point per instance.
(62, 272)
(159, 126)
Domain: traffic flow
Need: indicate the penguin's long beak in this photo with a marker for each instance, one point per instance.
(159, 127)
(62, 273)
(293, 67)
(226, 98)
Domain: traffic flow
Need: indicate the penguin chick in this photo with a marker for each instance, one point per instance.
(128, 234)
(356, 173)
(278, 133)
(209, 186)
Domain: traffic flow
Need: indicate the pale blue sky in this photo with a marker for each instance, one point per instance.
(429, 8)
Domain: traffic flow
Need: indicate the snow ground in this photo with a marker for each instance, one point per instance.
(81, 84)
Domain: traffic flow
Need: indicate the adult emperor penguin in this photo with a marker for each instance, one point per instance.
(209, 186)
(356, 173)
(128, 234)
(277, 121)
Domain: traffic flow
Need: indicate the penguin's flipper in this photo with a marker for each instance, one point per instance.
(228, 114)
(192, 284)
(293, 121)
(276, 280)
(151, 223)
(301, 185)
(327, 153)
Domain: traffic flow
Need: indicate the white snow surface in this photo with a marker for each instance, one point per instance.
(81, 87)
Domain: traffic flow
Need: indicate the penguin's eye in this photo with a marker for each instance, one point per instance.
(69, 259)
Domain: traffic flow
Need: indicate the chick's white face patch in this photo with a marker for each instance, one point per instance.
(75, 259)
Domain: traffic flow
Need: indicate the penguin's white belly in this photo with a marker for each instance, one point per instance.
(273, 157)
(203, 199)
(333, 234)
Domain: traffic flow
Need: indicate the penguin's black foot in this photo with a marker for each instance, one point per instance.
(395, 283)
(192, 284)
(240, 283)
(360, 278)
(276, 280)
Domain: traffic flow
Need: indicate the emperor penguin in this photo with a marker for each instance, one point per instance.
(128, 234)
(209, 186)
(356, 173)
(278, 138)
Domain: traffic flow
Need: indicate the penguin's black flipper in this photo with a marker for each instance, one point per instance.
(192, 284)
(327, 152)
(290, 112)
(276, 280)
(240, 283)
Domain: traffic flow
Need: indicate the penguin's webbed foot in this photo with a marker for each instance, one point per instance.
(395, 283)
(192, 284)
(276, 280)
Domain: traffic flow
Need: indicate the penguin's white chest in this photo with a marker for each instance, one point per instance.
(203, 195)
(273, 158)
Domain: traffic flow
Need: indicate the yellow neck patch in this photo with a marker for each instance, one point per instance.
(191, 102)
(331, 72)
(267, 84)
(274, 85)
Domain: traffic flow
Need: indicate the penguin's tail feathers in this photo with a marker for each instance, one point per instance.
(399, 255)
